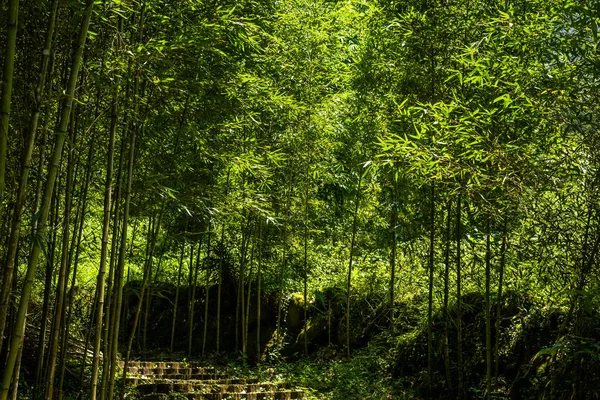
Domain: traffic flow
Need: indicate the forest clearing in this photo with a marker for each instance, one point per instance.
(303, 199)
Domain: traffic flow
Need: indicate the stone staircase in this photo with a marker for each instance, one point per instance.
(153, 380)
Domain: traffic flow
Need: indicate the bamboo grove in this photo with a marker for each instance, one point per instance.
(413, 149)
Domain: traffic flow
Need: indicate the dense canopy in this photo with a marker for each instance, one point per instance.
(412, 183)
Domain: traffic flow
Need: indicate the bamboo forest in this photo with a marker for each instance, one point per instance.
(299, 199)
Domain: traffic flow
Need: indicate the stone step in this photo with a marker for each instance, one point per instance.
(138, 380)
(187, 387)
(162, 364)
(278, 395)
(193, 377)
(133, 370)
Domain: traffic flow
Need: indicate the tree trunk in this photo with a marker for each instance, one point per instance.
(176, 298)
(7, 83)
(430, 265)
(219, 287)
(109, 302)
(305, 266)
(488, 313)
(394, 224)
(25, 167)
(258, 289)
(105, 239)
(207, 290)
(447, 296)
(122, 251)
(220, 284)
(41, 349)
(17, 336)
(193, 283)
(247, 317)
(149, 284)
(499, 304)
(74, 259)
(349, 284)
(62, 280)
(15, 386)
(283, 264)
(458, 295)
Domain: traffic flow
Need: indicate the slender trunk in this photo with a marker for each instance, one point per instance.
(258, 290)
(88, 337)
(62, 280)
(15, 386)
(329, 323)
(147, 258)
(458, 295)
(349, 283)
(41, 349)
(109, 301)
(207, 290)
(446, 296)
(76, 247)
(7, 83)
(499, 304)
(220, 284)
(241, 309)
(247, 317)
(149, 282)
(122, 251)
(117, 226)
(193, 283)
(488, 313)
(430, 264)
(149, 296)
(17, 336)
(283, 264)
(190, 281)
(100, 282)
(394, 224)
(17, 220)
(305, 266)
(220, 287)
(176, 298)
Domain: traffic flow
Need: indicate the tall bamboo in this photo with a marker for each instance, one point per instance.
(105, 238)
(206, 289)
(174, 322)
(349, 283)
(283, 263)
(446, 295)
(121, 264)
(220, 284)
(148, 286)
(248, 297)
(7, 83)
(61, 132)
(488, 311)
(499, 301)
(259, 289)
(62, 280)
(430, 264)
(17, 220)
(459, 294)
(193, 282)
(41, 356)
(394, 223)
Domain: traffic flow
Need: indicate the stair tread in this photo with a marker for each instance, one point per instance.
(157, 380)
(297, 394)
